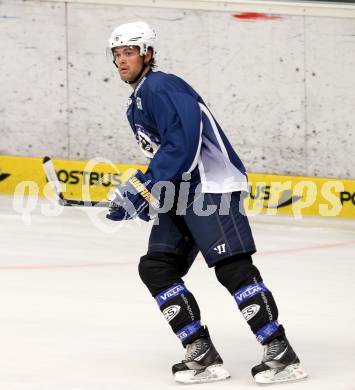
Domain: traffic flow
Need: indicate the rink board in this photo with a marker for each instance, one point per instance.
(269, 194)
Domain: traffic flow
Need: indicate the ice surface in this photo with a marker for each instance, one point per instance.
(74, 314)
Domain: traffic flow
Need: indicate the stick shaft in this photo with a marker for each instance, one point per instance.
(52, 178)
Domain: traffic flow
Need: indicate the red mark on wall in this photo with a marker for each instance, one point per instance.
(255, 16)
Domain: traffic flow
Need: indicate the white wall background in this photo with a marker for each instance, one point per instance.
(283, 90)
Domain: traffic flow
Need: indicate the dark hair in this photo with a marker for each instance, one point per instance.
(153, 63)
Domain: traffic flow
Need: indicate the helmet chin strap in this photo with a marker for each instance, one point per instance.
(139, 75)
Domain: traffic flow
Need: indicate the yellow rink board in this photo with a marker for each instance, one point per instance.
(269, 194)
(80, 178)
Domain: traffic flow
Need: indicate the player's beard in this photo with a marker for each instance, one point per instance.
(128, 75)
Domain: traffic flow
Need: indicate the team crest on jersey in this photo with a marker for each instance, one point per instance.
(148, 143)
(139, 103)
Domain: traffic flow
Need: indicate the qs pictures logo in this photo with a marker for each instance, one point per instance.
(299, 197)
(272, 197)
(286, 199)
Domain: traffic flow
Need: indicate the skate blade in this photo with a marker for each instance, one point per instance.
(212, 373)
(293, 372)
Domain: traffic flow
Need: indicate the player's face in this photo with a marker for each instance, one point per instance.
(129, 62)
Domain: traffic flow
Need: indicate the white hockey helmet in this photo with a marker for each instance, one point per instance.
(134, 34)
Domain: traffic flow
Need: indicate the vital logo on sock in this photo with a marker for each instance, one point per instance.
(250, 311)
(171, 292)
(249, 291)
(171, 312)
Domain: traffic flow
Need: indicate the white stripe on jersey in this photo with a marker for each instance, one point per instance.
(201, 170)
(139, 86)
(233, 179)
(215, 130)
(198, 151)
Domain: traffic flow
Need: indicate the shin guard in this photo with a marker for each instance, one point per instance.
(180, 309)
(255, 301)
(259, 309)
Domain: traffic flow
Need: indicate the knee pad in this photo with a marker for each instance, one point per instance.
(159, 270)
(237, 271)
(254, 299)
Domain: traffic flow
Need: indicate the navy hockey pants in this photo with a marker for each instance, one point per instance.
(223, 233)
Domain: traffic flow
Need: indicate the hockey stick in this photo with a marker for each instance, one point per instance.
(52, 178)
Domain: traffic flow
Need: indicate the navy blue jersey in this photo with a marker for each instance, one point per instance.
(177, 132)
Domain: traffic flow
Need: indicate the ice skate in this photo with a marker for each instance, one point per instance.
(202, 363)
(280, 364)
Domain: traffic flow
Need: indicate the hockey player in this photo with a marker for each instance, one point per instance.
(185, 145)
